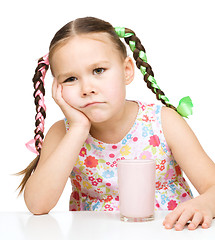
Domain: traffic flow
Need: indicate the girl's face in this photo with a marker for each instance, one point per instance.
(93, 75)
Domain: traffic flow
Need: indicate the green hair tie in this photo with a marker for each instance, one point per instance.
(132, 45)
(120, 31)
(185, 107)
(142, 55)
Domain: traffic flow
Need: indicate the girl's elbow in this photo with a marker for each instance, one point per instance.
(38, 210)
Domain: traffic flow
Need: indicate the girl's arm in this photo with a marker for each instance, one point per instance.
(59, 153)
(198, 167)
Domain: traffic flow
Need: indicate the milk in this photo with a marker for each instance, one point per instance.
(136, 179)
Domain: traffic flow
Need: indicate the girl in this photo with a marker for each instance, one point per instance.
(91, 68)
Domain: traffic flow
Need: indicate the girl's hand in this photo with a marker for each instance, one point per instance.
(74, 116)
(195, 210)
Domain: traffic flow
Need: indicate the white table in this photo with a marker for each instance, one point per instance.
(90, 225)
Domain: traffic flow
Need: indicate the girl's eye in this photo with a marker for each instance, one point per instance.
(71, 79)
(98, 71)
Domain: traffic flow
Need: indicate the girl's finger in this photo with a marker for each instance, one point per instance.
(207, 221)
(54, 87)
(58, 94)
(183, 219)
(171, 219)
(197, 219)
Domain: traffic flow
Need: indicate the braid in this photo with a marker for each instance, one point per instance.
(35, 144)
(39, 94)
(139, 54)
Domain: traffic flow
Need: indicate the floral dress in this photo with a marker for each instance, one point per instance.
(94, 176)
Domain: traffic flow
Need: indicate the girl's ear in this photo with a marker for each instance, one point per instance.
(129, 70)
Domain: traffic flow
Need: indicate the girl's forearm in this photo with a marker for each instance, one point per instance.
(46, 184)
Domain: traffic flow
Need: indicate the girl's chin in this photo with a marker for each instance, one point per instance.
(97, 118)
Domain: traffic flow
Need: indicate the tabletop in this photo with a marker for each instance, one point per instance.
(90, 225)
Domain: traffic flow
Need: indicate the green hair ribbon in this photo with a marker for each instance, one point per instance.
(120, 31)
(185, 105)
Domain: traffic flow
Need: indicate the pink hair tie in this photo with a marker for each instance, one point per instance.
(31, 146)
(45, 59)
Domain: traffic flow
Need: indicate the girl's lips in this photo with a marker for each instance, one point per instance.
(91, 104)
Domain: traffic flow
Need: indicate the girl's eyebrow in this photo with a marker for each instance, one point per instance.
(100, 63)
(65, 75)
(94, 65)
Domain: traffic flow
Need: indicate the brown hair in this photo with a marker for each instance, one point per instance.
(85, 26)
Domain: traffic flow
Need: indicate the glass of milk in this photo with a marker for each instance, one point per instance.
(136, 181)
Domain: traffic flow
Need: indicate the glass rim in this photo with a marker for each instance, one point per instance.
(140, 161)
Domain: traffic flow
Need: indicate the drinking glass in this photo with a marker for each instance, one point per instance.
(136, 181)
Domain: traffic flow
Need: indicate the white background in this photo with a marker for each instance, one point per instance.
(179, 40)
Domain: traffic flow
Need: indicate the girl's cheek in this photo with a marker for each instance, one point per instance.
(67, 95)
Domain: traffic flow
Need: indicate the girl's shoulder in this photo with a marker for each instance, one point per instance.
(150, 110)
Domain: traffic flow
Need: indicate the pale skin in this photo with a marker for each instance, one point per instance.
(79, 81)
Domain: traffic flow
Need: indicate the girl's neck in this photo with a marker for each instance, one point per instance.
(115, 130)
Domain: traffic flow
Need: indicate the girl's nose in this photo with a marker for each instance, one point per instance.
(87, 89)
(86, 93)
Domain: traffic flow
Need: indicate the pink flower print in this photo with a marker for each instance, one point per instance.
(145, 118)
(172, 205)
(77, 184)
(99, 180)
(151, 105)
(91, 162)
(117, 198)
(184, 197)
(158, 185)
(75, 195)
(162, 167)
(154, 141)
(146, 155)
(89, 172)
(109, 198)
(157, 205)
(79, 178)
(164, 185)
(163, 161)
(94, 183)
(91, 178)
(143, 107)
(83, 152)
(107, 206)
(169, 174)
(108, 184)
